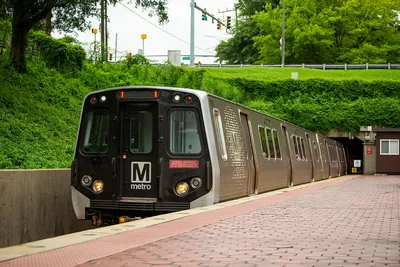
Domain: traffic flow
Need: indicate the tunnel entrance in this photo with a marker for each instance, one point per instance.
(354, 154)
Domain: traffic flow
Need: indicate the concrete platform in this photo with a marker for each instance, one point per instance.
(347, 221)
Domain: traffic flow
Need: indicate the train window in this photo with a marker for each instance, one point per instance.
(303, 148)
(220, 134)
(296, 148)
(277, 146)
(263, 141)
(141, 137)
(270, 143)
(184, 132)
(96, 135)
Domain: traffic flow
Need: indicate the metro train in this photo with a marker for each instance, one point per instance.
(145, 150)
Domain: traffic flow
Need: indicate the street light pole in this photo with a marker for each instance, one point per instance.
(94, 31)
(143, 36)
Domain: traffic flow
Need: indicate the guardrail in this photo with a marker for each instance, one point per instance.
(310, 66)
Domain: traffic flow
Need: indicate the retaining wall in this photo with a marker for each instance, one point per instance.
(36, 204)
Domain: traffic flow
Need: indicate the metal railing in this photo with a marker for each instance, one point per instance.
(309, 66)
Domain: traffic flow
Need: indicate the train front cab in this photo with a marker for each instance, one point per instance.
(140, 151)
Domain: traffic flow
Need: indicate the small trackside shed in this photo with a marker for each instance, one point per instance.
(387, 147)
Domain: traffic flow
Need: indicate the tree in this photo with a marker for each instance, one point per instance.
(330, 31)
(67, 15)
(240, 48)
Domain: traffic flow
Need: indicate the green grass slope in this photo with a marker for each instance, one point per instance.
(276, 73)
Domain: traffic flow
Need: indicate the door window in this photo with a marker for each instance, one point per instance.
(270, 143)
(141, 132)
(276, 143)
(303, 148)
(296, 148)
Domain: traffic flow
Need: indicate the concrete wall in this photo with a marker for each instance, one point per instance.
(36, 204)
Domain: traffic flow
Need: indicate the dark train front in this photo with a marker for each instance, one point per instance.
(139, 152)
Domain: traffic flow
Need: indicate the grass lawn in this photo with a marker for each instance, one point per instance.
(276, 73)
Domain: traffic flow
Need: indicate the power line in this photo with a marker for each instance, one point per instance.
(162, 28)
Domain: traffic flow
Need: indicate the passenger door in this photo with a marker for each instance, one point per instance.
(139, 177)
(249, 153)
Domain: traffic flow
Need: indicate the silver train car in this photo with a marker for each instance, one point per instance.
(142, 151)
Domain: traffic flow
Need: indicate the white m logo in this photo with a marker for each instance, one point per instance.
(141, 172)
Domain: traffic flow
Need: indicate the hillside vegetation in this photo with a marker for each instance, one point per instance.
(39, 111)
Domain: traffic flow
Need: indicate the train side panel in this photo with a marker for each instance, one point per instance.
(234, 160)
(271, 153)
(301, 163)
(234, 169)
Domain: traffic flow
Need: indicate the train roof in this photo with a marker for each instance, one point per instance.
(186, 90)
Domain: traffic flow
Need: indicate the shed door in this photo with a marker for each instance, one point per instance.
(249, 152)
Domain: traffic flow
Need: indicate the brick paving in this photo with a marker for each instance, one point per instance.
(344, 222)
(353, 223)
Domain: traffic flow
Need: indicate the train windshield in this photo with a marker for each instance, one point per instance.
(96, 134)
(184, 132)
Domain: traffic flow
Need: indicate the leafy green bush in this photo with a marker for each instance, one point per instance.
(62, 54)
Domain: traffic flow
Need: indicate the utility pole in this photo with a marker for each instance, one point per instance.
(283, 33)
(102, 30)
(106, 29)
(236, 17)
(192, 4)
(116, 38)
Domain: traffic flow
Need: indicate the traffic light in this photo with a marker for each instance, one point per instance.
(110, 56)
(219, 26)
(228, 22)
(204, 16)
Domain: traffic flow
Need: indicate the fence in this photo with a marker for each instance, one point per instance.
(310, 66)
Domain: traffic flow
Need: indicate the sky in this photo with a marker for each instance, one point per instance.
(130, 26)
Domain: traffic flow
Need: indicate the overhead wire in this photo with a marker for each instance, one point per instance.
(155, 25)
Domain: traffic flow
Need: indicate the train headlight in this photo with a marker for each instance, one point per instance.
(177, 98)
(196, 182)
(86, 180)
(98, 186)
(103, 99)
(181, 189)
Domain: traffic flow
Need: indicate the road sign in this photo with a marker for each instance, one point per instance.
(354, 170)
(369, 150)
(357, 163)
(186, 58)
